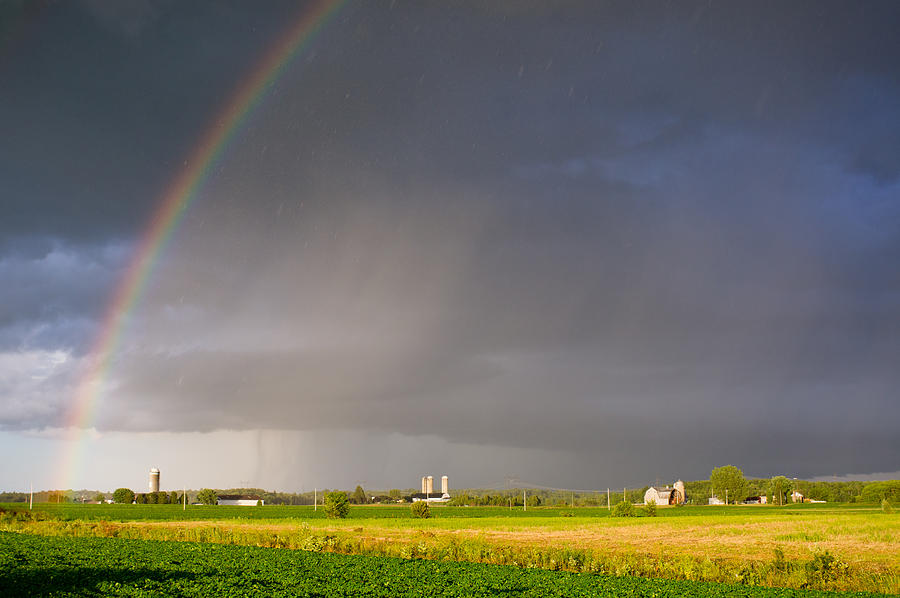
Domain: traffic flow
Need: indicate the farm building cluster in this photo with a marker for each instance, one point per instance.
(429, 495)
(666, 495)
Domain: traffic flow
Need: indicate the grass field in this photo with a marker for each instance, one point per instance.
(42, 566)
(817, 546)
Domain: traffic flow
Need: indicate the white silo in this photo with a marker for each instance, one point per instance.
(429, 484)
(424, 484)
(445, 485)
(154, 480)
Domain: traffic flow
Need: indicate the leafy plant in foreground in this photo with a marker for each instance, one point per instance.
(337, 506)
(420, 509)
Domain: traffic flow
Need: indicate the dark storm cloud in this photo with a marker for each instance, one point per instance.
(566, 228)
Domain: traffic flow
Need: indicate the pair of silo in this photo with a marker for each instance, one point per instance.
(428, 485)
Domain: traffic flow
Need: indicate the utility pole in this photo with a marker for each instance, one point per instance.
(524, 500)
(315, 498)
(608, 506)
(624, 494)
(31, 500)
(184, 500)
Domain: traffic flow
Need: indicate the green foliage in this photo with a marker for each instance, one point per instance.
(650, 508)
(534, 500)
(420, 509)
(174, 499)
(359, 496)
(623, 509)
(99, 497)
(140, 499)
(394, 494)
(207, 496)
(824, 568)
(337, 506)
(729, 481)
(123, 496)
(886, 506)
(780, 489)
(875, 492)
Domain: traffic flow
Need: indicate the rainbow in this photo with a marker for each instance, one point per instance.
(172, 206)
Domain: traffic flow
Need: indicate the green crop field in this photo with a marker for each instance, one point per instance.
(45, 566)
(826, 547)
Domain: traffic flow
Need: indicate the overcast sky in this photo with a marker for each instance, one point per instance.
(598, 244)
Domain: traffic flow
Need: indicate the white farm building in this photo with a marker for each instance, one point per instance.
(667, 495)
(240, 500)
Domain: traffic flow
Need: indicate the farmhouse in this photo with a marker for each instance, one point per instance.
(667, 495)
(241, 500)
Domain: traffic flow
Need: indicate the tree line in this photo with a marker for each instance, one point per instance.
(726, 480)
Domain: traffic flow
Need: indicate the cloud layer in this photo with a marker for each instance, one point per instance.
(667, 235)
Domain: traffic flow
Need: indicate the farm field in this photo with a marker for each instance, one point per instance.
(115, 512)
(825, 546)
(44, 566)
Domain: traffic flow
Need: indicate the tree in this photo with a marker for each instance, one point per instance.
(420, 509)
(123, 496)
(728, 483)
(336, 505)
(875, 492)
(650, 508)
(780, 488)
(140, 499)
(173, 497)
(99, 498)
(359, 496)
(395, 494)
(534, 500)
(208, 496)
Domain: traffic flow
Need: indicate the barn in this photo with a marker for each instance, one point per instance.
(241, 500)
(666, 495)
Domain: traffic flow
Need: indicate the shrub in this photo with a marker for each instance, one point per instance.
(623, 509)
(825, 567)
(337, 505)
(650, 508)
(420, 509)
(886, 506)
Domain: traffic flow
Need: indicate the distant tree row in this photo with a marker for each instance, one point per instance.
(128, 496)
(778, 490)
